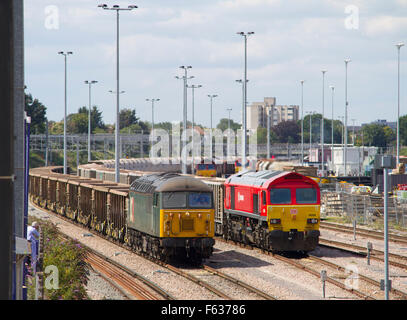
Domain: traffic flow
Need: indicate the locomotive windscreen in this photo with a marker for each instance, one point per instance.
(173, 200)
(306, 195)
(280, 196)
(194, 200)
(200, 200)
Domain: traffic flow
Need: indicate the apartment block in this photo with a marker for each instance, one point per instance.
(257, 113)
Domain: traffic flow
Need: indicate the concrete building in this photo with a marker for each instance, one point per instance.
(257, 113)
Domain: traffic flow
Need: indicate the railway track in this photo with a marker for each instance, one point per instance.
(313, 270)
(367, 280)
(305, 267)
(102, 266)
(363, 232)
(394, 259)
(196, 276)
(240, 283)
(131, 284)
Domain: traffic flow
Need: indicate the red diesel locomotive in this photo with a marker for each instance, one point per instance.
(274, 210)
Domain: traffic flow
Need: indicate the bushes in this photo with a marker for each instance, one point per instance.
(68, 257)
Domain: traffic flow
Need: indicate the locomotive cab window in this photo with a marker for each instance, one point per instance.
(155, 199)
(174, 200)
(306, 195)
(280, 196)
(200, 200)
(264, 198)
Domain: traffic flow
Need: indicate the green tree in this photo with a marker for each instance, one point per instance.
(96, 117)
(262, 136)
(287, 131)
(223, 124)
(316, 129)
(127, 117)
(403, 130)
(377, 135)
(55, 127)
(37, 111)
(167, 126)
(77, 123)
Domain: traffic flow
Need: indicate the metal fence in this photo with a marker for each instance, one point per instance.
(362, 208)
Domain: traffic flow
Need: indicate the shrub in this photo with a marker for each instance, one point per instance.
(69, 257)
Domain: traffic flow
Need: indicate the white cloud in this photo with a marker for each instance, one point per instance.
(384, 25)
(234, 4)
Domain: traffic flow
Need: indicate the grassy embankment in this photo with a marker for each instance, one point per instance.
(68, 257)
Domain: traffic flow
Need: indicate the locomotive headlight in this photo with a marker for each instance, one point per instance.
(275, 221)
(312, 221)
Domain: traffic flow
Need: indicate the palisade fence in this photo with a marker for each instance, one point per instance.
(138, 145)
(362, 208)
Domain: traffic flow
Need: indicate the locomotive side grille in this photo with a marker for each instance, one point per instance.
(187, 225)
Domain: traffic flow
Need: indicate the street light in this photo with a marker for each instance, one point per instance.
(184, 134)
(193, 87)
(152, 123)
(398, 45)
(342, 119)
(118, 143)
(244, 124)
(228, 141)
(311, 113)
(211, 98)
(302, 122)
(332, 127)
(243, 109)
(229, 110)
(322, 123)
(65, 54)
(117, 9)
(346, 116)
(353, 132)
(90, 106)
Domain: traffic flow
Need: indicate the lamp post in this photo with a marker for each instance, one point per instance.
(211, 96)
(117, 132)
(152, 123)
(310, 131)
(243, 109)
(244, 124)
(322, 121)
(332, 127)
(398, 45)
(193, 87)
(268, 131)
(302, 122)
(228, 142)
(346, 117)
(184, 134)
(117, 129)
(65, 54)
(89, 121)
(353, 132)
(341, 118)
(229, 110)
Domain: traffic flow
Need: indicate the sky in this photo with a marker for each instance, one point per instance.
(294, 40)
